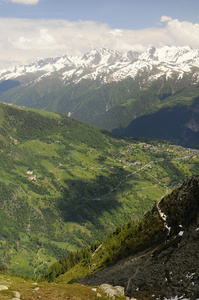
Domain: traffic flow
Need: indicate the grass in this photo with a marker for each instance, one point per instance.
(44, 113)
(58, 292)
(32, 290)
(20, 261)
(1, 116)
(154, 192)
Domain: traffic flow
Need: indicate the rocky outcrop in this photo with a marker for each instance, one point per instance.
(16, 296)
(171, 268)
(3, 287)
(112, 291)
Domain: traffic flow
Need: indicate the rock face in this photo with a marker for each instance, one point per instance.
(170, 269)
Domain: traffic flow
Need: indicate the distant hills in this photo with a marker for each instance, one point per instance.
(153, 94)
(65, 184)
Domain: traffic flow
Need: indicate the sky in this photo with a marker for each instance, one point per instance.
(35, 29)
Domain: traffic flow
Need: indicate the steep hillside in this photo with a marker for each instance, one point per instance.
(110, 89)
(162, 251)
(179, 123)
(65, 184)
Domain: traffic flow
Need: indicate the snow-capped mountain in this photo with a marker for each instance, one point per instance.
(166, 60)
(109, 88)
(94, 61)
(110, 65)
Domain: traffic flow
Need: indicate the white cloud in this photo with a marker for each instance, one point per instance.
(25, 40)
(116, 32)
(165, 19)
(43, 41)
(29, 2)
(183, 33)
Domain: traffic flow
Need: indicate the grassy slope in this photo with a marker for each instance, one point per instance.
(64, 184)
(32, 290)
(145, 238)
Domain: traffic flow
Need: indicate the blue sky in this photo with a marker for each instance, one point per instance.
(125, 14)
(31, 29)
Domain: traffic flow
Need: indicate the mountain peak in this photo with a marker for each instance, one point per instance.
(151, 53)
(171, 54)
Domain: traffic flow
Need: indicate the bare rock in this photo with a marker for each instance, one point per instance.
(3, 287)
(112, 291)
(17, 296)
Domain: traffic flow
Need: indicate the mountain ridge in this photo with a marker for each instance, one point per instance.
(165, 265)
(130, 62)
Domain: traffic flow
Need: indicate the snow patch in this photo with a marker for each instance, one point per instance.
(181, 233)
(177, 298)
(164, 217)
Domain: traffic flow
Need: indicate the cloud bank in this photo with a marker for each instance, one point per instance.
(26, 40)
(28, 2)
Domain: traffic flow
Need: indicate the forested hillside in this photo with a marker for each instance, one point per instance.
(65, 184)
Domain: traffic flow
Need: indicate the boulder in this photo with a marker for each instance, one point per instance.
(112, 291)
(3, 287)
(17, 296)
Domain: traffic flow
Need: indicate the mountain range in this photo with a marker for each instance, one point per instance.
(128, 93)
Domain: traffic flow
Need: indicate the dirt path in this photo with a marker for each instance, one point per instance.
(35, 270)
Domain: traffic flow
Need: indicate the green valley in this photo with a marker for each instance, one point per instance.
(65, 184)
